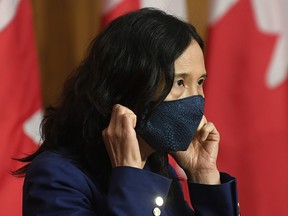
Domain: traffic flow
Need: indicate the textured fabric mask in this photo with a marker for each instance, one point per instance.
(173, 124)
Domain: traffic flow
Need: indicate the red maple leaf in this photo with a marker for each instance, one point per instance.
(251, 118)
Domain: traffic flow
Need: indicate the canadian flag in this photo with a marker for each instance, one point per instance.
(20, 99)
(115, 8)
(247, 98)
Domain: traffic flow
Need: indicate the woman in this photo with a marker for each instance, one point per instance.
(136, 97)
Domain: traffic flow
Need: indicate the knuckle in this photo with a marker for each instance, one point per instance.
(117, 108)
(210, 125)
(121, 110)
(129, 115)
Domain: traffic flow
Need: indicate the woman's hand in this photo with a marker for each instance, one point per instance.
(121, 141)
(120, 138)
(199, 160)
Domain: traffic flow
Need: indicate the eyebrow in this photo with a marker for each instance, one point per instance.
(205, 75)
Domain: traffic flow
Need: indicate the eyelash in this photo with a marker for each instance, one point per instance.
(180, 82)
(201, 81)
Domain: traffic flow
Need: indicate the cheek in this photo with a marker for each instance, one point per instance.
(201, 91)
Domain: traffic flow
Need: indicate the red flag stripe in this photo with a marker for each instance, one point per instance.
(251, 117)
(19, 98)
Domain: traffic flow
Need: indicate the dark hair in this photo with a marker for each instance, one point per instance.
(127, 64)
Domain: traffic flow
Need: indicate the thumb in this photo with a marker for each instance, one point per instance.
(202, 123)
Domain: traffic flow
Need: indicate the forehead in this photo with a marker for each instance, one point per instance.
(190, 60)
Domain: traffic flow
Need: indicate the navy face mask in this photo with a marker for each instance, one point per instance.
(173, 124)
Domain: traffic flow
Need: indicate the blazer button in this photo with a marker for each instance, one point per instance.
(156, 211)
(159, 201)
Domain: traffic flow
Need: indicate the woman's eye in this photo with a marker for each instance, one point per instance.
(180, 82)
(200, 82)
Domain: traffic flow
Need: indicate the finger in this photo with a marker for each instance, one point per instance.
(208, 129)
(120, 115)
(129, 120)
(116, 111)
(125, 122)
(202, 123)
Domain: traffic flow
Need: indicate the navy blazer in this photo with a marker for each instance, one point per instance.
(55, 184)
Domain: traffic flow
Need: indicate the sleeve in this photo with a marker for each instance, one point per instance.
(134, 191)
(56, 187)
(215, 200)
